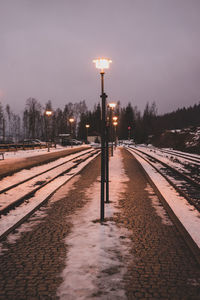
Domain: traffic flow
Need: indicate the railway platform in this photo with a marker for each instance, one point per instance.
(10, 165)
(63, 251)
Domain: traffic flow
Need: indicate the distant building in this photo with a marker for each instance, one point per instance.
(94, 137)
(63, 138)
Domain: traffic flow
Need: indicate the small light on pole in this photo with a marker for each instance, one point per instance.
(115, 123)
(102, 64)
(48, 113)
(112, 106)
(87, 126)
(129, 132)
(71, 121)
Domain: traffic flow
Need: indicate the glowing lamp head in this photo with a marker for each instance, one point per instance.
(112, 105)
(115, 119)
(71, 120)
(115, 123)
(102, 63)
(48, 113)
(87, 126)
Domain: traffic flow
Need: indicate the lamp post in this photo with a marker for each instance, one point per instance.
(48, 113)
(115, 123)
(102, 63)
(87, 126)
(129, 132)
(71, 121)
(112, 107)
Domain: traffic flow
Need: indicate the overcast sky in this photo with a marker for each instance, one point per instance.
(47, 48)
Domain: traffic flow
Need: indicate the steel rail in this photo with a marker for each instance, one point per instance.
(23, 218)
(43, 172)
(188, 157)
(31, 193)
(192, 181)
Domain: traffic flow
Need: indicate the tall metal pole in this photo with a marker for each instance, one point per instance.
(103, 127)
(48, 134)
(107, 163)
(111, 128)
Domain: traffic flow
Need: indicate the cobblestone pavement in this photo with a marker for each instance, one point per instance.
(162, 266)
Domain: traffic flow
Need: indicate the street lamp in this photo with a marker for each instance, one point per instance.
(129, 132)
(48, 114)
(87, 126)
(115, 123)
(71, 121)
(112, 107)
(101, 64)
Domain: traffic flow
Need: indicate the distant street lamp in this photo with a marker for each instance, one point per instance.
(115, 123)
(48, 114)
(112, 107)
(87, 126)
(71, 121)
(129, 132)
(102, 63)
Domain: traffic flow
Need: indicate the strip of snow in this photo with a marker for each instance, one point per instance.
(98, 253)
(12, 155)
(157, 206)
(17, 192)
(186, 213)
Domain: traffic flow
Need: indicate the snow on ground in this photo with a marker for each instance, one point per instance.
(158, 206)
(98, 253)
(24, 174)
(15, 215)
(9, 156)
(157, 153)
(186, 213)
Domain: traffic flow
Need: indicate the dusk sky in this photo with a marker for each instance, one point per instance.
(47, 48)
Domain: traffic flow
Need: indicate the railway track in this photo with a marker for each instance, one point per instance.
(190, 163)
(19, 200)
(176, 154)
(184, 185)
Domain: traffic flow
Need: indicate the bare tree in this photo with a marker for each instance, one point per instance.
(32, 118)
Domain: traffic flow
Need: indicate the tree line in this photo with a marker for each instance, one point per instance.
(132, 123)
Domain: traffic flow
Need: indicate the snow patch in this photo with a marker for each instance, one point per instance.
(158, 206)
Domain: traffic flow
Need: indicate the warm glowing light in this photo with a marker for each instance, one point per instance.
(71, 120)
(48, 113)
(115, 123)
(112, 105)
(115, 118)
(87, 126)
(102, 63)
